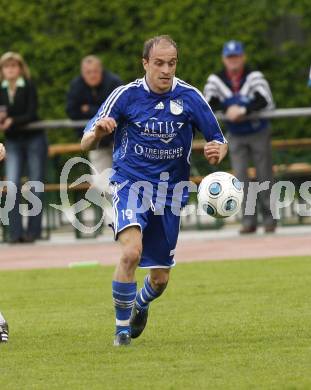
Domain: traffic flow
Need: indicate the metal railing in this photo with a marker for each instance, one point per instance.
(271, 114)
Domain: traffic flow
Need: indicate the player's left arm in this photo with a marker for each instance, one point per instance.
(215, 152)
(205, 121)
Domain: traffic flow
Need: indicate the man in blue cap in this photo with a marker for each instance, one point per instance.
(238, 91)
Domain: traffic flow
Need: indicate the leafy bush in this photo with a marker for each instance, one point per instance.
(54, 36)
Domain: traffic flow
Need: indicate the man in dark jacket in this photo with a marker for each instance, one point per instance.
(238, 91)
(86, 93)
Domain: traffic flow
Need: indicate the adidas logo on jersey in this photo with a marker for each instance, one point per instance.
(159, 106)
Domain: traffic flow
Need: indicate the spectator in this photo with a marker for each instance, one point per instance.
(309, 82)
(85, 95)
(238, 91)
(24, 148)
(2, 152)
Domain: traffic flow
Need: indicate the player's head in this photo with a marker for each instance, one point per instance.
(13, 66)
(233, 56)
(159, 60)
(92, 70)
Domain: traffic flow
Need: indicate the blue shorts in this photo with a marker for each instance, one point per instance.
(159, 232)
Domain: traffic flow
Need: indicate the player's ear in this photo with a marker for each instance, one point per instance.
(145, 63)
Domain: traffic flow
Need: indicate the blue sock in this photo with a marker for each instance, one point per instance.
(146, 295)
(123, 297)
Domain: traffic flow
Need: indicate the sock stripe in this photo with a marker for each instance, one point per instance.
(141, 296)
(151, 292)
(122, 293)
(146, 295)
(149, 289)
(123, 305)
(123, 302)
(122, 322)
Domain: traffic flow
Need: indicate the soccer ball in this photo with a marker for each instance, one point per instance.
(220, 194)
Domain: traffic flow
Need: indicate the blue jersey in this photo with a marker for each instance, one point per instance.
(154, 131)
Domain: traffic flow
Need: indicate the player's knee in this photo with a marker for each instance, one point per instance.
(131, 255)
(159, 283)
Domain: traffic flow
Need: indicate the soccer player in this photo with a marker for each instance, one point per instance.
(154, 119)
(4, 329)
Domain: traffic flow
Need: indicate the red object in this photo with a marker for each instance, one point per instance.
(235, 79)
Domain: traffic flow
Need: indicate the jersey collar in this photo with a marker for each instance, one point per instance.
(145, 85)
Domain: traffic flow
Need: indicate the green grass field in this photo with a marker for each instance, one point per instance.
(220, 325)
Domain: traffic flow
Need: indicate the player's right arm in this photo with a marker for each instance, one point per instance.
(105, 121)
(103, 126)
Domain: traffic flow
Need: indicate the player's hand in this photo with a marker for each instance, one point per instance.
(235, 113)
(104, 127)
(212, 152)
(2, 152)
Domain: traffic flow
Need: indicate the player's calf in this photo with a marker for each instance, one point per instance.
(123, 287)
(152, 289)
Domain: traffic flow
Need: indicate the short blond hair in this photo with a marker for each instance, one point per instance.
(150, 43)
(12, 56)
